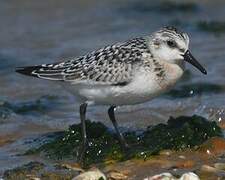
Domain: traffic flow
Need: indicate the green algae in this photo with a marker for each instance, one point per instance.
(37, 170)
(38, 105)
(4, 111)
(194, 89)
(20, 173)
(179, 133)
(170, 6)
(102, 144)
(164, 7)
(216, 27)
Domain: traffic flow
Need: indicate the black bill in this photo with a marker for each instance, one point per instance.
(189, 58)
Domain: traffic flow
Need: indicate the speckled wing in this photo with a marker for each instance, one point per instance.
(109, 65)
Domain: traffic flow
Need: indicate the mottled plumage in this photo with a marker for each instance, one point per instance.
(109, 65)
(124, 73)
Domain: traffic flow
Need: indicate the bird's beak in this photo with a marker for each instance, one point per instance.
(189, 58)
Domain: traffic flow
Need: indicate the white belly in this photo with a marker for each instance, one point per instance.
(143, 87)
(137, 91)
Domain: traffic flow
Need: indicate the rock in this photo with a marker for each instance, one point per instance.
(210, 169)
(74, 167)
(32, 177)
(214, 146)
(163, 176)
(166, 152)
(94, 174)
(220, 166)
(189, 176)
(116, 175)
(168, 176)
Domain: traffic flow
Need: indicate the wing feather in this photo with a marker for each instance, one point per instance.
(109, 65)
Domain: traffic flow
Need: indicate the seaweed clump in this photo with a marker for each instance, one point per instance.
(21, 172)
(38, 105)
(102, 144)
(37, 170)
(194, 89)
(165, 7)
(169, 6)
(216, 27)
(178, 134)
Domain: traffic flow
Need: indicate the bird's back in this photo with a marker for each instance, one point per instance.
(109, 65)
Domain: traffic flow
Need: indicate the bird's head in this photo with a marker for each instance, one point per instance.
(171, 45)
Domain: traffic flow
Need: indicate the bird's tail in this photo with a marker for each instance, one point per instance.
(42, 71)
(28, 70)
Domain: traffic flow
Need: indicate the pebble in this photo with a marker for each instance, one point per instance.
(163, 176)
(32, 177)
(220, 166)
(116, 175)
(208, 168)
(182, 157)
(217, 169)
(168, 176)
(74, 167)
(165, 152)
(94, 174)
(189, 176)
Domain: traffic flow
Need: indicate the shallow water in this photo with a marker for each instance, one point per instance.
(34, 32)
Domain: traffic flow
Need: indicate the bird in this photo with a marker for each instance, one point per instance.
(125, 73)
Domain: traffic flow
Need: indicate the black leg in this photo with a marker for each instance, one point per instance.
(83, 108)
(111, 113)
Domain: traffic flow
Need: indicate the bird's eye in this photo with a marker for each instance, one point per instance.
(171, 43)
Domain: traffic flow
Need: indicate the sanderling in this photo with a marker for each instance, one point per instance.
(125, 73)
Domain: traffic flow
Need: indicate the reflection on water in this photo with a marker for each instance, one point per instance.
(34, 32)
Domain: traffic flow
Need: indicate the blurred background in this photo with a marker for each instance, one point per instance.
(35, 32)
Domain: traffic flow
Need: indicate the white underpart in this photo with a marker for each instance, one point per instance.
(144, 87)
